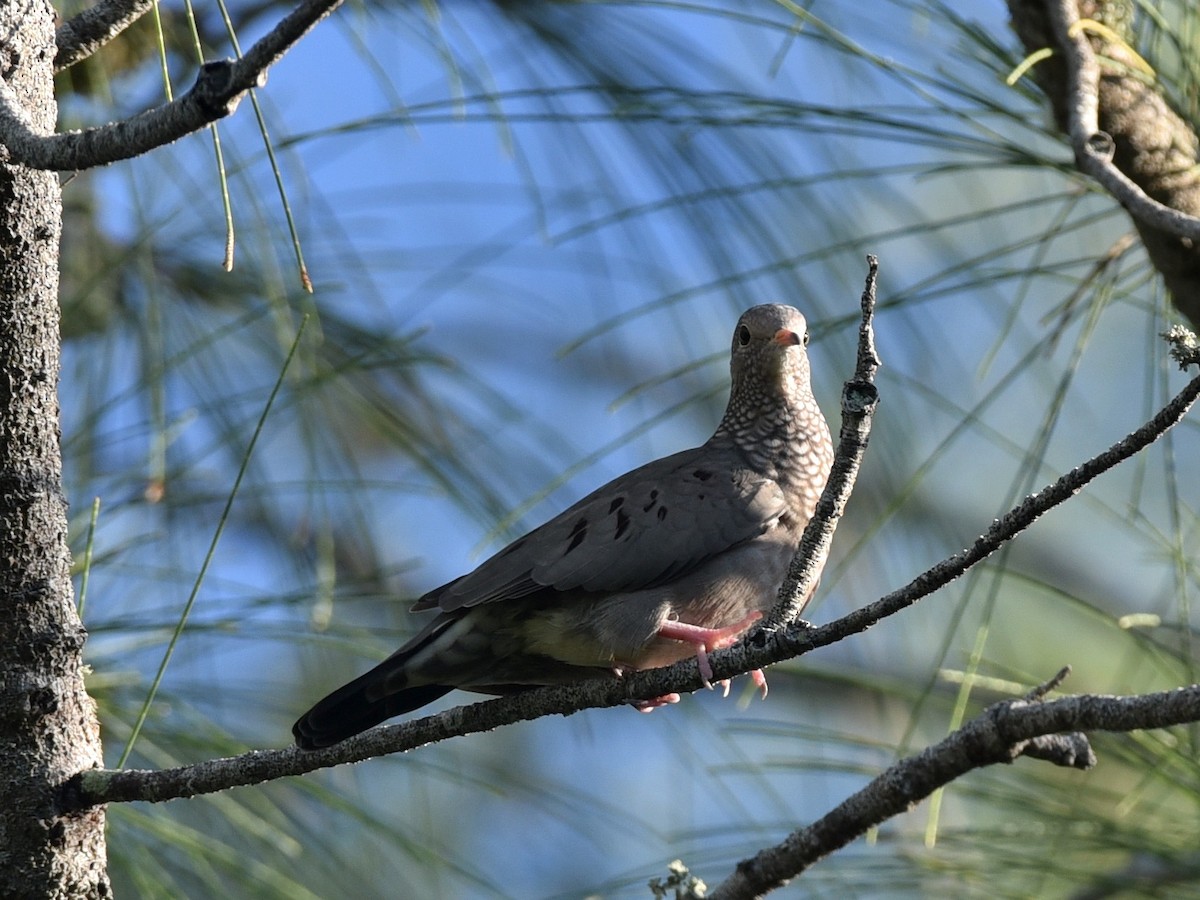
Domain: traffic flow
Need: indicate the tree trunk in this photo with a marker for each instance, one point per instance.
(48, 726)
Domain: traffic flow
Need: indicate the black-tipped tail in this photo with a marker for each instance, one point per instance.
(350, 709)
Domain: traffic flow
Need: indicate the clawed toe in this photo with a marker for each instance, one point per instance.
(760, 681)
(649, 706)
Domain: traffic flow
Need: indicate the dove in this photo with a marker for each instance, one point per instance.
(673, 559)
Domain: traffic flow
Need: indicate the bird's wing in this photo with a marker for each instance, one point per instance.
(646, 528)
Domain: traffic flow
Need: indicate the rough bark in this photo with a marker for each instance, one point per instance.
(1152, 144)
(48, 725)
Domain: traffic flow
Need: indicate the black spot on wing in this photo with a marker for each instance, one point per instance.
(623, 521)
(578, 533)
(702, 474)
(653, 500)
(615, 505)
(662, 513)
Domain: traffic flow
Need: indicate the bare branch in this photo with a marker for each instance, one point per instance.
(761, 649)
(1050, 731)
(80, 37)
(859, 399)
(90, 788)
(218, 89)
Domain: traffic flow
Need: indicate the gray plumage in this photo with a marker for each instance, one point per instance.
(676, 557)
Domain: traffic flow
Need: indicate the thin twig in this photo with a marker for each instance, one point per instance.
(1041, 691)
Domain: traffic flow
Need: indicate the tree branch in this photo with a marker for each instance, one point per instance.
(1123, 132)
(81, 36)
(218, 89)
(1050, 731)
(859, 400)
(1003, 733)
(1005, 529)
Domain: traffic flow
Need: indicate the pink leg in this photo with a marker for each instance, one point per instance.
(706, 639)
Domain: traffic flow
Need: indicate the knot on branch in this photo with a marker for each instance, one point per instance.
(1072, 750)
(70, 795)
(1100, 145)
(859, 397)
(1010, 721)
(788, 639)
(215, 90)
(681, 883)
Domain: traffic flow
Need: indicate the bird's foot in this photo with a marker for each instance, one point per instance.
(760, 681)
(757, 676)
(706, 639)
(649, 706)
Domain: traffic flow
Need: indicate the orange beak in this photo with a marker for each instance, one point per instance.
(785, 338)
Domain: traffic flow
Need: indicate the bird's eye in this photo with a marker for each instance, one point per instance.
(805, 340)
(743, 336)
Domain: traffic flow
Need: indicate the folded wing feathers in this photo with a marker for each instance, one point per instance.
(649, 527)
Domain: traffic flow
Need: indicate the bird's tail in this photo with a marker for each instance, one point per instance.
(369, 699)
(351, 709)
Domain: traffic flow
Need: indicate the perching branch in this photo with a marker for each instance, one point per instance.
(1002, 530)
(859, 399)
(762, 649)
(1123, 131)
(81, 36)
(218, 89)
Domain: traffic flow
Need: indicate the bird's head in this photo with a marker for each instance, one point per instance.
(768, 359)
